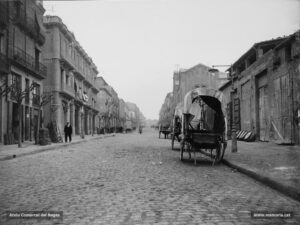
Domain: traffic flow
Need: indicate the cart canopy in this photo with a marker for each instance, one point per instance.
(213, 98)
(215, 110)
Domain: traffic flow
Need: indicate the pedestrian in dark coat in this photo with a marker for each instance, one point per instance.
(68, 132)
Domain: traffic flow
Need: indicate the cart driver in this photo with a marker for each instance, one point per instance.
(196, 112)
(202, 116)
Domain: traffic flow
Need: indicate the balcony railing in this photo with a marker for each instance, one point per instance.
(29, 62)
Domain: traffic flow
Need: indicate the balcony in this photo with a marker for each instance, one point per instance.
(68, 90)
(28, 62)
(66, 62)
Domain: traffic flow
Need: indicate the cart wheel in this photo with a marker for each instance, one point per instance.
(182, 149)
(172, 142)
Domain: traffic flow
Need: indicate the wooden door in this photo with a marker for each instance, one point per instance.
(246, 106)
(262, 113)
(281, 119)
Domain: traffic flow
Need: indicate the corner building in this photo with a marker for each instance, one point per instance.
(71, 80)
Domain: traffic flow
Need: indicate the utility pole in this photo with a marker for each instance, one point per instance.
(233, 127)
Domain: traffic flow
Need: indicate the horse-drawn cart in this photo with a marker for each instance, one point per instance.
(204, 124)
(177, 124)
(165, 130)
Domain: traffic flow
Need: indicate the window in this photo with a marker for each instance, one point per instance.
(27, 88)
(75, 86)
(16, 85)
(1, 43)
(36, 94)
(62, 77)
(276, 61)
(37, 59)
(66, 48)
(288, 52)
(36, 89)
(67, 79)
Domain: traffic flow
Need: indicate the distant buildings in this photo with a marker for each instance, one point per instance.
(266, 90)
(115, 114)
(185, 80)
(166, 112)
(43, 51)
(71, 79)
(135, 115)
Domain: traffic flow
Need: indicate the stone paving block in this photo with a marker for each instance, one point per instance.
(117, 184)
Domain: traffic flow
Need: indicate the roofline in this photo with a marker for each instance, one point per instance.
(225, 85)
(105, 90)
(289, 38)
(193, 67)
(102, 79)
(71, 35)
(258, 44)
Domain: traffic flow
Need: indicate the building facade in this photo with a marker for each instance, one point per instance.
(267, 90)
(22, 36)
(186, 80)
(134, 115)
(122, 115)
(71, 80)
(104, 97)
(166, 112)
(113, 110)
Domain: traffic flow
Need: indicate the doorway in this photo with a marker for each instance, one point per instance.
(262, 113)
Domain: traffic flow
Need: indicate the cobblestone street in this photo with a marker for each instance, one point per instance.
(133, 179)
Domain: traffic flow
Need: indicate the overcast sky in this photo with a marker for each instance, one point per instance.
(137, 44)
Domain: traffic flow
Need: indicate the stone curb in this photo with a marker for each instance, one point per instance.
(286, 190)
(55, 146)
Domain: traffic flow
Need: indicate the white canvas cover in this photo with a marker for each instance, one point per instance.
(188, 99)
(189, 107)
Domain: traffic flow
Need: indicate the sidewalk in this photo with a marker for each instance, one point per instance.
(277, 166)
(10, 151)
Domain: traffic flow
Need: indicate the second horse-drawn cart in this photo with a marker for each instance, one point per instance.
(177, 124)
(204, 124)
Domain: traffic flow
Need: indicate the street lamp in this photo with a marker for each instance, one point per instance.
(233, 128)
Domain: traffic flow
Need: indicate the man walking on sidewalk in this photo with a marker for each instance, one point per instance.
(68, 132)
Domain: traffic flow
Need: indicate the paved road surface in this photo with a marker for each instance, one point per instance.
(133, 179)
